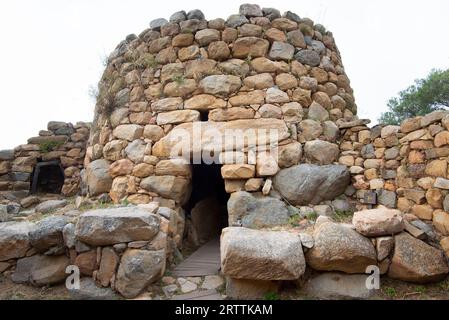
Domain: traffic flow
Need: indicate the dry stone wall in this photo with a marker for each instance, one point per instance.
(403, 167)
(255, 70)
(61, 141)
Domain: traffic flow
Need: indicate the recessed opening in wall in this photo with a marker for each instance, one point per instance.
(204, 116)
(207, 207)
(47, 177)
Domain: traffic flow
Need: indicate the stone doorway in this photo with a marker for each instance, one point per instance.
(207, 207)
(47, 177)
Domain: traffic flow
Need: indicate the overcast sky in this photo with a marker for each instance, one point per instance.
(52, 50)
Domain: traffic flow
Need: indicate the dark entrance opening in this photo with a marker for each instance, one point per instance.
(47, 177)
(207, 207)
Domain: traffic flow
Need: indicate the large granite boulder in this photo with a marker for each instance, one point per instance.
(256, 211)
(117, 225)
(41, 270)
(98, 178)
(47, 235)
(171, 187)
(339, 248)
(138, 269)
(415, 261)
(306, 184)
(261, 255)
(14, 239)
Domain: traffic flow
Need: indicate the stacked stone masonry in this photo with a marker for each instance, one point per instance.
(256, 70)
(61, 141)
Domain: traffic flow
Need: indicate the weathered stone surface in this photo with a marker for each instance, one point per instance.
(339, 248)
(167, 104)
(256, 211)
(176, 188)
(281, 51)
(259, 81)
(338, 286)
(40, 270)
(321, 152)
(121, 167)
(89, 291)
(310, 184)
(275, 95)
(308, 57)
(261, 255)
(50, 205)
(87, 262)
(441, 221)
(98, 178)
(47, 234)
(230, 114)
(378, 222)
(128, 132)
(250, 10)
(266, 164)
(250, 46)
(416, 261)
(310, 129)
(116, 225)
(14, 239)
(384, 246)
(138, 269)
(108, 265)
(238, 171)
(204, 102)
(244, 289)
(206, 36)
(178, 116)
(220, 85)
(289, 155)
(433, 117)
(252, 129)
(175, 167)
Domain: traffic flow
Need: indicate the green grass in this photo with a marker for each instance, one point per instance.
(342, 216)
(420, 289)
(271, 296)
(390, 292)
(294, 220)
(49, 146)
(312, 216)
(179, 79)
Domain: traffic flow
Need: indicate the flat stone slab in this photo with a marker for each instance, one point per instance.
(199, 295)
(116, 225)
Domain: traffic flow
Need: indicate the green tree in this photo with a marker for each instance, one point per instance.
(425, 96)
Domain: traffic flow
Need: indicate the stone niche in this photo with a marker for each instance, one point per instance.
(49, 163)
(197, 80)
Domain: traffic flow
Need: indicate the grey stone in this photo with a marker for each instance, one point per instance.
(135, 151)
(98, 178)
(6, 155)
(89, 291)
(195, 14)
(446, 203)
(308, 57)
(415, 261)
(340, 248)
(321, 152)
(323, 210)
(318, 46)
(339, 286)
(158, 23)
(13, 208)
(341, 205)
(20, 176)
(250, 10)
(116, 225)
(50, 205)
(387, 198)
(68, 234)
(256, 211)
(138, 269)
(281, 51)
(179, 16)
(368, 151)
(310, 184)
(40, 270)
(14, 239)
(220, 85)
(236, 20)
(271, 13)
(261, 255)
(47, 234)
(292, 16)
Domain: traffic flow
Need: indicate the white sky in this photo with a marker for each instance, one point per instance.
(52, 50)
